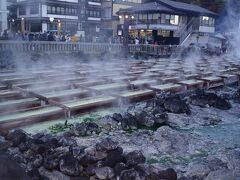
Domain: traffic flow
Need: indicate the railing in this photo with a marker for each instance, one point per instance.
(186, 30)
(158, 50)
(88, 48)
(46, 46)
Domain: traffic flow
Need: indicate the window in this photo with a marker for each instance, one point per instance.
(174, 19)
(164, 33)
(22, 10)
(34, 9)
(93, 13)
(207, 21)
(62, 10)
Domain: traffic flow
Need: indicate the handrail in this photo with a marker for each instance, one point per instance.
(91, 48)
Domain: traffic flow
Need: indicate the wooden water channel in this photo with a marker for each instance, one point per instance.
(62, 91)
(87, 48)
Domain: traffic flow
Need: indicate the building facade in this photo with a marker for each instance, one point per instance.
(3, 15)
(169, 22)
(83, 17)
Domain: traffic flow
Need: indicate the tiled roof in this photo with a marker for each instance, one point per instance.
(186, 7)
(152, 6)
(168, 6)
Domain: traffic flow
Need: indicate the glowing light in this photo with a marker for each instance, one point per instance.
(120, 17)
(126, 16)
(51, 19)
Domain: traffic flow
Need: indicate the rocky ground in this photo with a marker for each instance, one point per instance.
(190, 136)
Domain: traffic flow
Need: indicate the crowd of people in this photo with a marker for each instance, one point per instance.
(54, 36)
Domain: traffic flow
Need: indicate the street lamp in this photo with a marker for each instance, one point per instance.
(59, 26)
(126, 22)
(51, 19)
(22, 25)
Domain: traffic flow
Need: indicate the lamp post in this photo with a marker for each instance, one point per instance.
(59, 27)
(22, 25)
(126, 22)
(51, 19)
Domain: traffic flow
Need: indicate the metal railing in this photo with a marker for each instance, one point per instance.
(46, 46)
(158, 50)
(88, 48)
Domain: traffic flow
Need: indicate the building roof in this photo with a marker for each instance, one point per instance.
(153, 6)
(168, 6)
(187, 7)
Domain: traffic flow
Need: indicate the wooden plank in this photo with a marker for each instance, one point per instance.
(90, 102)
(170, 87)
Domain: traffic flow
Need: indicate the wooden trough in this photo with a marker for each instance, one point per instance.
(212, 82)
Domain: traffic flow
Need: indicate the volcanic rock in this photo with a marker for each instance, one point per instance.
(160, 118)
(104, 173)
(50, 162)
(67, 141)
(4, 144)
(85, 129)
(106, 144)
(204, 99)
(135, 157)
(119, 167)
(222, 175)
(130, 174)
(53, 174)
(17, 136)
(128, 121)
(10, 170)
(175, 104)
(113, 157)
(236, 96)
(168, 174)
(70, 166)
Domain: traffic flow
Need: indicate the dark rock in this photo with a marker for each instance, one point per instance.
(37, 161)
(211, 121)
(85, 129)
(87, 160)
(17, 136)
(175, 104)
(161, 119)
(113, 157)
(10, 170)
(104, 173)
(4, 144)
(70, 166)
(53, 174)
(168, 174)
(119, 167)
(204, 99)
(13, 150)
(23, 147)
(134, 158)
(130, 174)
(33, 172)
(67, 141)
(117, 117)
(90, 170)
(77, 152)
(39, 148)
(236, 96)
(143, 170)
(128, 121)
(50, 162)
(19, 158)
(145, 119)
(106, 144)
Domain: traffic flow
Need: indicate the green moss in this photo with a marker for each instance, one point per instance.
(59, 127)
